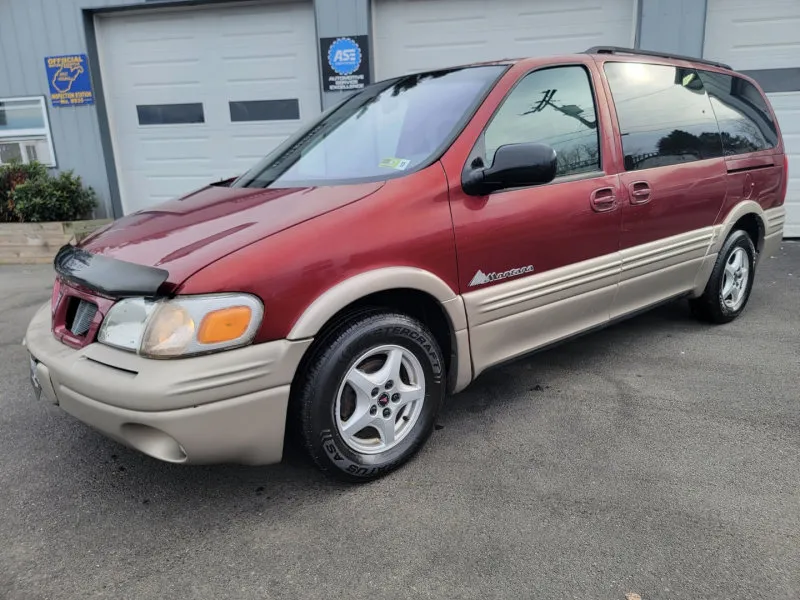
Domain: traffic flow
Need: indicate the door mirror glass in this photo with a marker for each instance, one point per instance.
(515, 165)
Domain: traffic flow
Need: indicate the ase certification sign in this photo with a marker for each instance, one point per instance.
(345, 63)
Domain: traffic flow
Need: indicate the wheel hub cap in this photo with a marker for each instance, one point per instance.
(371, 422)
(735, 279)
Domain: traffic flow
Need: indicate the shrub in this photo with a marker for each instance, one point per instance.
(12, 175)
(48, 198)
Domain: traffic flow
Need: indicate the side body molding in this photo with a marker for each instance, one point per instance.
(379, 280)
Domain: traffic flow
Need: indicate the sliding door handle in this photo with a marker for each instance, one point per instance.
(640, 192)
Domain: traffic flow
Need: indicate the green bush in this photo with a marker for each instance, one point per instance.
(32, 195)
(12, 175)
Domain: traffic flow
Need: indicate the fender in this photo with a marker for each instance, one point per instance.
(330, 302)
(722, 230)
(772, 225)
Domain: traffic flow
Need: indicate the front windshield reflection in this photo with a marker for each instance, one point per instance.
(384, 131)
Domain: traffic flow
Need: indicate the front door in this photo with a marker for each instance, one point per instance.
(538, 264)
(674, 179)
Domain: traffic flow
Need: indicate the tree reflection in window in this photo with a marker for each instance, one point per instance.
(664, 115)
(744, 118)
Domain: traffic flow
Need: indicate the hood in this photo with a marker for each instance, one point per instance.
(184, 235)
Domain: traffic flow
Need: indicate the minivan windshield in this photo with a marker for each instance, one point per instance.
(381, 132)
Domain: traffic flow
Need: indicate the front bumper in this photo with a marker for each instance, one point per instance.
(219, 408)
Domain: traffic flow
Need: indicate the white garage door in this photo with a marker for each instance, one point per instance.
(764, 35)
(195, 95)
(415, 35)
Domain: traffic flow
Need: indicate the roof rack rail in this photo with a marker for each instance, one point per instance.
(619, 50)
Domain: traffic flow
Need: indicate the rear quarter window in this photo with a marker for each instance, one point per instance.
(745, 121)
(664, 115)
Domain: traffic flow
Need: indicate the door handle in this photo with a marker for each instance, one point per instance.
(640, 192)
(603, 200)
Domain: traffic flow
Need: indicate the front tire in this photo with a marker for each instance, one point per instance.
(731, 281)
(370, 395)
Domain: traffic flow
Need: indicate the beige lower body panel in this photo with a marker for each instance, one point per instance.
(512, 336)
(774, 221)
(522, 315)
(659, 270)
(652, 288)
(127, 380)
(463, 362)
(246, 430)
(703, 275)
(772, 244)
(224, 407)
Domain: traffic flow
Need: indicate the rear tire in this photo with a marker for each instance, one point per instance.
(731, 281)
(370, 395)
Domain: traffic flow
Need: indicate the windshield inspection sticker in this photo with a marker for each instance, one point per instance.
(400, 164)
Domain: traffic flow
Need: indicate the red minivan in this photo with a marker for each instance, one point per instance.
(421, 231)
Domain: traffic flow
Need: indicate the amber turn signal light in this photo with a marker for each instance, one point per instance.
(224, 325)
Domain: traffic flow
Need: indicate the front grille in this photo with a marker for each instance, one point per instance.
(82, 318)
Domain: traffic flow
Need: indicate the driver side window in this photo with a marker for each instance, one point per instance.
(553, 106)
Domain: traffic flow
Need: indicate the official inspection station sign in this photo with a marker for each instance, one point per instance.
(345, 63)
(68, 76)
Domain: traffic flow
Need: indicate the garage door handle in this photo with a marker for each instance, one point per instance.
(640, 192)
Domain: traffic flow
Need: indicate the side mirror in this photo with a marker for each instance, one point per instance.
(515, 165)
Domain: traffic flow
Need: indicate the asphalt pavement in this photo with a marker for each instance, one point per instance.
(658, 457)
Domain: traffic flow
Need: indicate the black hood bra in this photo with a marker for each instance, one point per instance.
(108, 276)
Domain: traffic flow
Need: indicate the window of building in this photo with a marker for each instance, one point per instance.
(265, 110)
(170, 114)
(664, 114)
(744, 119)
(25, 131)
(552, 106)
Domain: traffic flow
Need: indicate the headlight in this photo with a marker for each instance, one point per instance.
(182, 326)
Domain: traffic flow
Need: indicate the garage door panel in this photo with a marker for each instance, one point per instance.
(162, 78)
(174, 185)
(787, 109)
(414, 35)
(764, 35)
(237, 21)
(164, 155)
(264, 71)
(209, 56)
(161, 50)
(753, 39)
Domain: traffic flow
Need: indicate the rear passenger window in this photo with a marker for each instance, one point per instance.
(742, 113)
(555, 107)
(664, 114)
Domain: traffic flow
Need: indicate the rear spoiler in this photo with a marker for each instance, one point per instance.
(108, 276)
